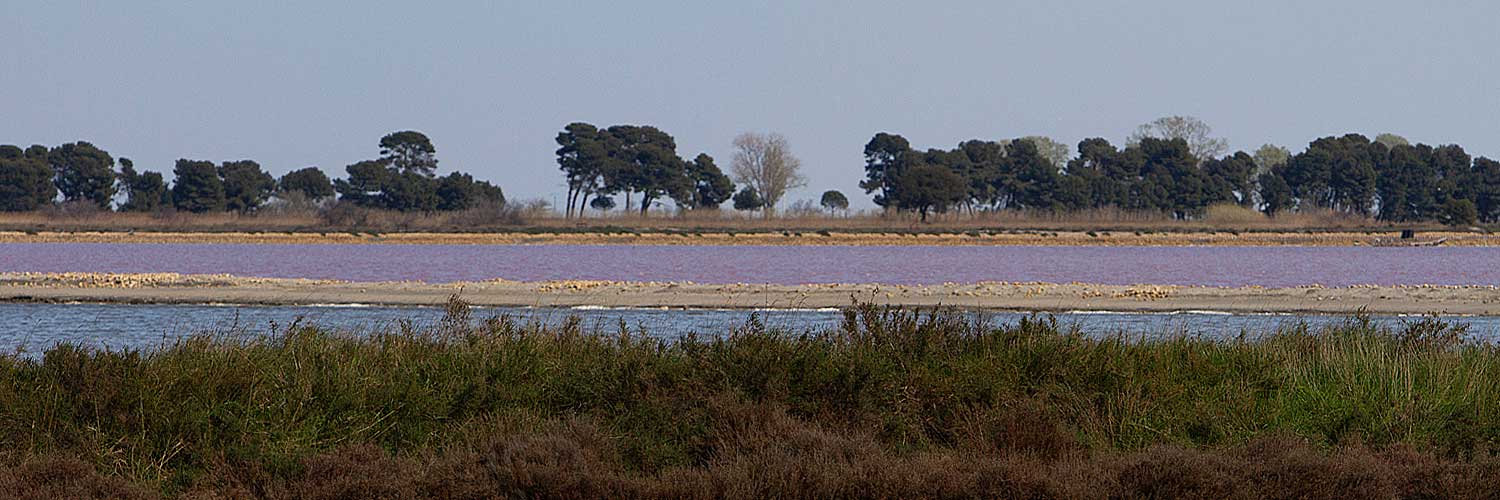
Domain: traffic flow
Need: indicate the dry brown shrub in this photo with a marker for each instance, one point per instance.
(571, 461)
(1232, 215)
(575, 461)
(360, 471)
(1172, 472)
(55, 477)
(1282, 467)
(762, 451)
(1022, 427)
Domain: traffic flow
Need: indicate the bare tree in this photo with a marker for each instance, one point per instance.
(1392, 140)
(1270, 156)
(765, 163)
(1187, 128)
(1055, 152)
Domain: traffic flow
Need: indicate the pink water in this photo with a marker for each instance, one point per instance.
(1214, 266)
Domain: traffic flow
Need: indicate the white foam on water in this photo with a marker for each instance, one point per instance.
(1205, 312)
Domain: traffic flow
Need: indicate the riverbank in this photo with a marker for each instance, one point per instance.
(889, 405)
(815, 238)
(201, 289)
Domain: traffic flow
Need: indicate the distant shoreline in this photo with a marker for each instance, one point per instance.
(790, 238)
(1045, 297)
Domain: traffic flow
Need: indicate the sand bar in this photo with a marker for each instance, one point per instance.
(1050, 238)
(201, 289)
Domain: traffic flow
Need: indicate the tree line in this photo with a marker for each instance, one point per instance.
(403, 177)
(1172, 165)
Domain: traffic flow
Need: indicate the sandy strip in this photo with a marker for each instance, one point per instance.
(1058, 238)
(198, 289)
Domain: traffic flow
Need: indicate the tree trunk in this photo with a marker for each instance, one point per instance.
(572, 196)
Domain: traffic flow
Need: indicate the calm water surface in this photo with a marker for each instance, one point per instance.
(1213, 266)
(34, 327)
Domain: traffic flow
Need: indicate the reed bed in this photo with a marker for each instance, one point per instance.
(891, 404)
(536, 218)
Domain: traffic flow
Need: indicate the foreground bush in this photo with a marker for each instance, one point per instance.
(891, 404)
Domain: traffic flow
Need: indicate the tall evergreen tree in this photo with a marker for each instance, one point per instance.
(885, 156)
(1486, 184)
(930, 188)
(311, 182)
(409, 151)
(246, 186)
(1276, 195)
(459, 191)
(25, 181)
(710, 187)
(83, 173)
(197, 187)
(144, 191)
(366, 183)
(1232, 178)
(583, 156)
(646, 162)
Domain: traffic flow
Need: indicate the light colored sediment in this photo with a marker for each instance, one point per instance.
(168, 288)
(1058, 238)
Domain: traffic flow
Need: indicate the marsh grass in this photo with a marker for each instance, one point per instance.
(891, 403)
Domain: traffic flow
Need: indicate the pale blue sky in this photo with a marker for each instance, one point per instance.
(292, 84)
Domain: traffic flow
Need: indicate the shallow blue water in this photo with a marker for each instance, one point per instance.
(32, 328)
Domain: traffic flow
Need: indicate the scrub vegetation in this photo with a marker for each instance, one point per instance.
(892, 403)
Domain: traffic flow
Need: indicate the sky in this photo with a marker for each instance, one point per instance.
(293, 84)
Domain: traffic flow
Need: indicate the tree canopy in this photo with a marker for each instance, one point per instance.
(144, 191)
(1348, 173)
(885, 154)
(710, 186)
(401, 178)
(639, 161)
(83, 173)
(1172, 165)
(928, 187)
(246, 186)
(311, 182)
(25, 180)
(459, 191)
(409, 151)
(748, 200)
(197, 187)
(834, 200)
(377, 184)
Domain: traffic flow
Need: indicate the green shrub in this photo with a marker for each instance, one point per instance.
(890, 385)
